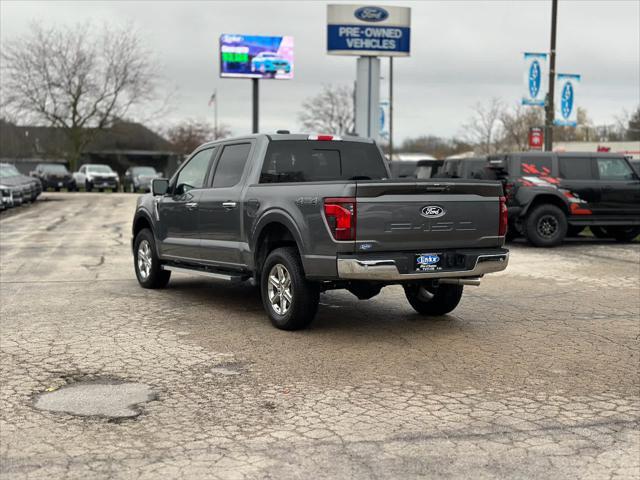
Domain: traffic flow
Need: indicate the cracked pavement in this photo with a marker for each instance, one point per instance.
(535, 374)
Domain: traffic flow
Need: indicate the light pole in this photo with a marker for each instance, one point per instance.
(548, 127)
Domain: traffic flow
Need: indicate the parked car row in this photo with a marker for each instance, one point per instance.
(16, 189)
(554, 195)
(92, 177)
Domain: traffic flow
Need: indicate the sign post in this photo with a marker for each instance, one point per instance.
(368, 32)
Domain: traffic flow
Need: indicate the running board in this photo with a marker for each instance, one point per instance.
(218, 276)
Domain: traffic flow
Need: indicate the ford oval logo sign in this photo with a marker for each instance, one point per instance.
(534, 79)
(371, 14)
(432, 211)
(566, 103)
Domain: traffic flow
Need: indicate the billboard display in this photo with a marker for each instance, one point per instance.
(368, 30)
(256, 56)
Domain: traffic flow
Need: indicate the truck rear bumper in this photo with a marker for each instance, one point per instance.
(399, 266)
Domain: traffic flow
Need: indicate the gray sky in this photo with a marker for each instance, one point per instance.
(462, 52)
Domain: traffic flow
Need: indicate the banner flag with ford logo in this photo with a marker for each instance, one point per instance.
(368, 30)
(535, 79)
(566, 109)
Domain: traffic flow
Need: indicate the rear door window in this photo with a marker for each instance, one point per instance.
(575, 168)
(538, 166)
(614, 169)
(312, 161)
(231, 165)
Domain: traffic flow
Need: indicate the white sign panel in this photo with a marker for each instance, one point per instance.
(368, 30)
(535, 79)
(566, 109)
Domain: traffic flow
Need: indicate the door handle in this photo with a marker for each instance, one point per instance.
(191, 205)
(229, 205)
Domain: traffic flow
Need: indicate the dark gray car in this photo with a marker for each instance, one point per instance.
(299, 215)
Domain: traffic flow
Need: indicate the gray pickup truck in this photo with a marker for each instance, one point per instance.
(298, 215)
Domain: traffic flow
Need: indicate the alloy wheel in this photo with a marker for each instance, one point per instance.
(144, 259)
(279, 289)
(547, 226)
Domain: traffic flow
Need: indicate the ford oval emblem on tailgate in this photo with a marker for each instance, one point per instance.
(432, 211)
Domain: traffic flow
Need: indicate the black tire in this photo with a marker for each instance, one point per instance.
(57, 189)
(623, 234)
(574, 231)
(433, 301)
(88, 187)
(304, 295)
(156, 278)
(545, 226)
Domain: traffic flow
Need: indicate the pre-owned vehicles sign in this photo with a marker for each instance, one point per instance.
(368, 30)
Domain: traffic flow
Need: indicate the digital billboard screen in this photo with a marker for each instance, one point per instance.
(254, 56)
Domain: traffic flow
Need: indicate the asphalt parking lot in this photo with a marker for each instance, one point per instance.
(536, 374)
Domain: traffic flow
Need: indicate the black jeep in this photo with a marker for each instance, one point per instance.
(552, 195)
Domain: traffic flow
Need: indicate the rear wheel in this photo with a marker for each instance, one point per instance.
(288, 298)
(546, 226)
(87, 186)
(433, 301)
(146, 263)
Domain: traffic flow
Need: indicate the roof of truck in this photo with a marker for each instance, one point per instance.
(292, 136)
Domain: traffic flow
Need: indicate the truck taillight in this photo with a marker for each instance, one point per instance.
(504, 217)
(341, 217)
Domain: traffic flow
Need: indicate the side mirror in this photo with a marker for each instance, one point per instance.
(160, 186)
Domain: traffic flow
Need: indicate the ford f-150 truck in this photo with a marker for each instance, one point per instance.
(298, 215)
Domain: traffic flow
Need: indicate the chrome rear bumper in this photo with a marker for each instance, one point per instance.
(386, 270)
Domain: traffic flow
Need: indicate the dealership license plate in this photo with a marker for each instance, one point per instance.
(428, 262)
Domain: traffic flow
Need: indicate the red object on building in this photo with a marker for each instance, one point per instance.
(603, 149)
(536, 138)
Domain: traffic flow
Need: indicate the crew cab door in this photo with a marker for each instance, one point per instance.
(619, 186)
(221, 207)
(577, 175)
(178, 210)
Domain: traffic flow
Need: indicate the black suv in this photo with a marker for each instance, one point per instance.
(54, 175)
(552, 195)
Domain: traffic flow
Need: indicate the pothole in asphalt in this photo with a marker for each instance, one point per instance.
(102, 398)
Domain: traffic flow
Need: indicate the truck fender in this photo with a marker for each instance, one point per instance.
(275, 216)
(535, 196)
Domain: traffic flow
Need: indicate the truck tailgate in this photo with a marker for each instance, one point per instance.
(423, 215)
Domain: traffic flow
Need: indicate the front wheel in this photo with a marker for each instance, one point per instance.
(291, 302)
(433, 301)
(87, 186)
(546, 226)
(146, 262)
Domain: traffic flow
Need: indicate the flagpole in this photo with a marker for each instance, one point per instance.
(215, 112)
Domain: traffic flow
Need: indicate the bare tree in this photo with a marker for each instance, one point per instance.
(582, 132)
(484, 128)
(331, 111)
(189, 134)
(78, 78)
(516, 124)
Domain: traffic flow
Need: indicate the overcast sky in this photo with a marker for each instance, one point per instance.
(462, 52)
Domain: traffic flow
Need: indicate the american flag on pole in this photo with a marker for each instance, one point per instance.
(213, 98)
